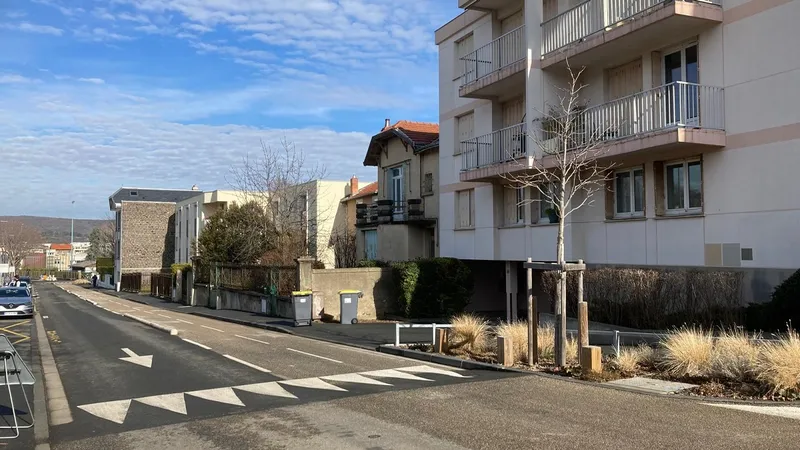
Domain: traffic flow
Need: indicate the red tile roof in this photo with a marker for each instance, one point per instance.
(421, 133)
(366, 191)
(60, 247)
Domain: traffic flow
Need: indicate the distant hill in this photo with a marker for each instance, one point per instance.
(55, 229)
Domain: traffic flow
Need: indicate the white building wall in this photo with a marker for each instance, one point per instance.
(747, 194)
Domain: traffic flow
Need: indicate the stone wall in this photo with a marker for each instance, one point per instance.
(375, 283)
(148, 236)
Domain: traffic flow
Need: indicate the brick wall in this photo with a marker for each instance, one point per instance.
(148, 236)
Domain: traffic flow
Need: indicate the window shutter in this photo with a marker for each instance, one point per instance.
(658, 180)
(407, 193)
(387, 183)
(508, 205)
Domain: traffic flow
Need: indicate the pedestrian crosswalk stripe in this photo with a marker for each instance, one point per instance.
(312, 383)
(354, 378)
(221, 395)
(392, 373)
(789, 412)
(434, 370)
(171, 402)
(113, 411)
(270, 388)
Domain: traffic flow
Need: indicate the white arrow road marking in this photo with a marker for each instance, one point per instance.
(355, 378)
(434, 370)
(171, 402)
(143, 360)
(312, 383)
(221, 395)
(270, 388)
(790, 412)
(392, 373)
(113, 411)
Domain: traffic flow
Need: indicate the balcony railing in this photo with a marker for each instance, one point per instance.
(674, 105)
(389, 211)
(593, 16)
(501, 52)
(498, 146)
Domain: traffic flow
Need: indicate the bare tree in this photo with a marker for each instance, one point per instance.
(101, 240)
(280, 179)
(343, 242)
(18, 240)
(566, 171)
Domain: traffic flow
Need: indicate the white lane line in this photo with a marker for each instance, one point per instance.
(164, 315)
(233, 358)
(251, 339)
(197, 344)
(185, 306)
(211, 328)
(184, 321)
(315, 356)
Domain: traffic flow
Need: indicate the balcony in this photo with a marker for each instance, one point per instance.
(611, 31)
(666, 122)
(485, 5)
(496, 68)
(390, 212)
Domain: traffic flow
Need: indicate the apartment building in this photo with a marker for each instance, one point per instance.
(698, 99)
(144, 230)
(58, 257)
(401, 223)
(191, 216)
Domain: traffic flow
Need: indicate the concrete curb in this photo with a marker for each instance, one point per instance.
(244, 322)
(54, 395)
(170, 331)
(445, 360)
(41, 429)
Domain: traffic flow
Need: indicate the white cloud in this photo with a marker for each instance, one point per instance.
(102, 13)
(197, 27)
(6, 78)
(99, 35)
(28, 27)
(92, 80)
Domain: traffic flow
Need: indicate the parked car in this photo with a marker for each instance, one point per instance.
(16, 301)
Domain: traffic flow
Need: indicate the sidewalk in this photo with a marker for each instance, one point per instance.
(364, 335)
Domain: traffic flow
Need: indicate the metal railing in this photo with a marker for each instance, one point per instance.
(388, 211)
(673, 105)
(498, 146)
(161, 285)
(131, 282)
(594, 16)
(501, 52)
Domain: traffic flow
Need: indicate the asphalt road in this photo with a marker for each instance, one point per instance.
(485, 411)
(209, 371)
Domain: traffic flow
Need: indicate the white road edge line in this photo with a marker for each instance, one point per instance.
(197, 344)
(164, 315)
(315, 356)
(251, 339)
(184, 321)
(210, 328)
(232, 358)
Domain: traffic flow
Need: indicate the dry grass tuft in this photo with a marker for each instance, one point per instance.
(631, 359)
(546, 340)
(469, 332)
(779, 364)
(572, 350)
(736, 356)
(518, 333)
(689, 352)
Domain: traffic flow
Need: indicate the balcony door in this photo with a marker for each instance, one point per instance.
(624, 108)
(511, 48)
(681, 76)
(511, 141)
(397, 190)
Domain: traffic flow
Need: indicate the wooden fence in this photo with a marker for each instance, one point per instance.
(161, 285)
(131, 282)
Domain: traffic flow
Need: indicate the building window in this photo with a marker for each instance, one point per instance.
(629, 192)
(134, 193)
(514, 203)
(371, 245)
(465, 208)
(463, 47)
(466, 133)
(684, 186)
(427, 184)
(544, 200)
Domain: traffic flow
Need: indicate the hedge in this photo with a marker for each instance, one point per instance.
(432, 288)
(782, 311)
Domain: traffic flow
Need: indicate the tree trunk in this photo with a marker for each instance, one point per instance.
(561, 316)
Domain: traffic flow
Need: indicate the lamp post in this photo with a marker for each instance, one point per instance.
(72, 236)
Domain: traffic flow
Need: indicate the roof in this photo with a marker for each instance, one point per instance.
(415, 134)
(133, 194)
(60, 247)
(366, 191)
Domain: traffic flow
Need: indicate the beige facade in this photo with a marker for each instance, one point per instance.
(404, 227)
(704, 138)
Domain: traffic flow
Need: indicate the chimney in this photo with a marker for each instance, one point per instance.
(353, 185)
(386, 124)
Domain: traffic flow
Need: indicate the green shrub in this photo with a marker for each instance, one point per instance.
(782, 310)
(372, 263)
(182, 267)
(435, 287)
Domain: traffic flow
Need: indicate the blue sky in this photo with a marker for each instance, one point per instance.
(170, 93)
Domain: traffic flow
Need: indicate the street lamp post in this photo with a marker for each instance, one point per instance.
(72, 236)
